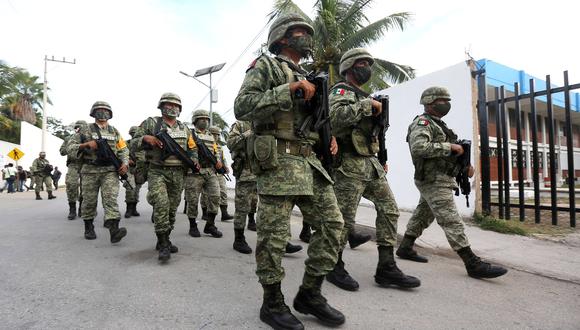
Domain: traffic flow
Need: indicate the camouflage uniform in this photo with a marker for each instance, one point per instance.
(246, 191)
(41, 177)
(137, 158)
(72, 177)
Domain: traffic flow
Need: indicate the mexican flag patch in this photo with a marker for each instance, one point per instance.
(423, 122)
(339, 91)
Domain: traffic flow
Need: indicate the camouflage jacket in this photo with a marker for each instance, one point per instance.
(430, 142)
(38, 166)
(109, 133)
(237, 140)
(263, 99)
(210, 142)
(72, 161)
(351, 111)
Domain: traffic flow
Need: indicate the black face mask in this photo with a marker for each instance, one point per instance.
(361, 74)
(301, 44)
(442, 108)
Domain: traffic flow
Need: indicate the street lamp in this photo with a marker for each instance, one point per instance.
(213, 93)
(44, 96)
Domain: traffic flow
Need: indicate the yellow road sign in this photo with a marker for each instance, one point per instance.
(15, 154)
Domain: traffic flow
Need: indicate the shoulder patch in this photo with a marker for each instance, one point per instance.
(423, 122)
(339, 91)
(252, 65)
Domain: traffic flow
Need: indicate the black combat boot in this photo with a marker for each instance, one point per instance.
(129, 210)
(117, 233)
(72, 210)
(79, 210)
(38, 196)
(225, 215)
(309, 300)
(340, 277)
(240, 243)
(274, 311)
(210, 227)
(478, 268)
(406, 251)
(389, 274)
(251, 222)
(193, 231)
(50, 195)
(164, 246)
(355, 239)
(291, 248)
(172, 248)
(134, 212)
(305, 233)
(90, 230)
(204, 213)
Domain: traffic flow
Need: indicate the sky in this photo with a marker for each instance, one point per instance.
(130, 52)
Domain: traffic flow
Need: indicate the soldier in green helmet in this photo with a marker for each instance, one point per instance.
(288, 173)
(135, 179)
(205, 180)
(99, 174)
(72, 178)
(42, 169)
(434, 152)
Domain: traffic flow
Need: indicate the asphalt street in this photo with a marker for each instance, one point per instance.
(52, 278)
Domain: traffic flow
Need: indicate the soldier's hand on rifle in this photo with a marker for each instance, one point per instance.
(456, 149)
(153, 141)
(386, 168)
(377, 107)
(123, 169)
(219, 165)
(308, 88)
(470, 171)
(333, 146)
(131, 162)
(92, 144)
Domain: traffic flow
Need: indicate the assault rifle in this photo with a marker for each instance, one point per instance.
(106, 156)
(380, 127)
(462, 177)
(172, 148)
(205, 153)
(319, 120)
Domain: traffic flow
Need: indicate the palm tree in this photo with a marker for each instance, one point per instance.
(21, 94)
(218, 120)
(340, 25)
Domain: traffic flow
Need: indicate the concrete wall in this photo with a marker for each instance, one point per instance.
(404, 106)
(30, 140)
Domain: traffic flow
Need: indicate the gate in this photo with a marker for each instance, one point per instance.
(535, 128)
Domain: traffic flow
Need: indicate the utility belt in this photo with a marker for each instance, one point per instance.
(165, 167)
(295, 148)
(96, 162)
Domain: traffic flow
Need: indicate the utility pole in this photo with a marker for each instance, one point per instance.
(44, 95)
(212, 92)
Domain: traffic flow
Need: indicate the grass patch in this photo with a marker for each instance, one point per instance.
(500, 226)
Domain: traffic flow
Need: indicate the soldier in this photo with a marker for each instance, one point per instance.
(72, 178)
(359, 174)
(434, 152)
(288, 173)
(166, 172)
(42, 169)
(135, 157)
(98, 173)
(206, 179)
(246, 191)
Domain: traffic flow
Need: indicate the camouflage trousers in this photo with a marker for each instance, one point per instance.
(437, 202)
(72, 184)
(245, 202)
(164, 194)
(39, 180)
(273, 224)
(131, 195)
(195, 184)
(108, 184)
(349, 192)
(223, 193)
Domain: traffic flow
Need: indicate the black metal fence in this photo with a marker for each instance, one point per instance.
(506, 113)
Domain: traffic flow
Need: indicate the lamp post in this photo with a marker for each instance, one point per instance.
(45, 97)
(212, 93)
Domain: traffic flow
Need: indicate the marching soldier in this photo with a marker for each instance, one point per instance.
(136, 158)
(72, 178)
(42, 169)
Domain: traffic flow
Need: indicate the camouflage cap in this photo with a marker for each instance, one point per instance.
(350, 57)
(133, 130)
(282, 24)
(433, 93)
(200, 113)
(215, 130)
(101, 105)
(169, 98)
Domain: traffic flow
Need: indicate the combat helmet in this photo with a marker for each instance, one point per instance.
(282, 24)
(101, 105)
(133, 130)
(200, 113)
(79, 123)
(214, 130)
(433, 93)
(351, 56)
(169, 98)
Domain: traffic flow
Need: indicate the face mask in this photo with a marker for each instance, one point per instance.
(171, 112)
(361, 74)
(442, 108)
(42, 156)
(102, 115)
(201, 124)
(301, 44)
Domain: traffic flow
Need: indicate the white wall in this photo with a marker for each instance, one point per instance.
(404, 106)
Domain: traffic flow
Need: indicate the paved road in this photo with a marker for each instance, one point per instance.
(52, 278)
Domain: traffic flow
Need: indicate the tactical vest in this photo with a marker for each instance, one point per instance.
(178, 133)
(209, 141)
(95, 132)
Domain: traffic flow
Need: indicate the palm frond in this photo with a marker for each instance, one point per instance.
(393, 72)
(376, 30)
